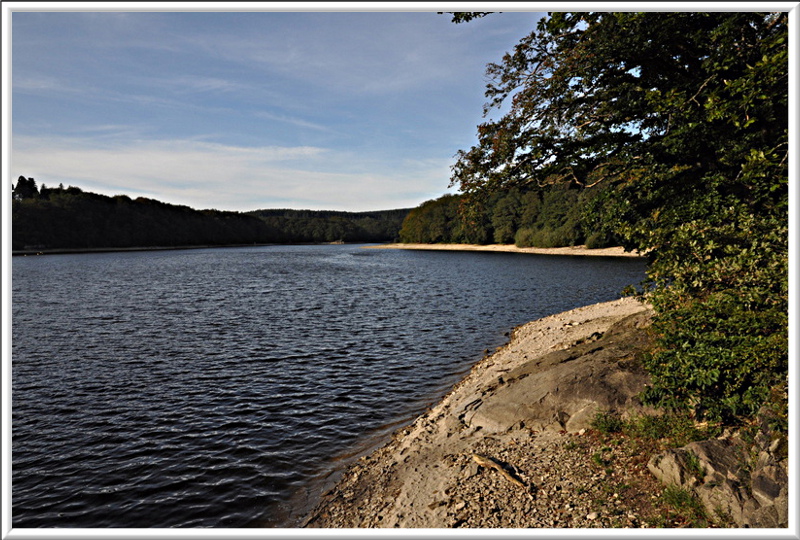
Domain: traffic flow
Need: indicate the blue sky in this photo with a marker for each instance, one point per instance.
(245, 110)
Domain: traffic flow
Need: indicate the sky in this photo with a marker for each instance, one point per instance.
(240, 111)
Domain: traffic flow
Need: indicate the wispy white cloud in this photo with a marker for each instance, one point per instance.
(36, 83)
(292, 120)
(194, 172)
(348, 52)
(189, 84)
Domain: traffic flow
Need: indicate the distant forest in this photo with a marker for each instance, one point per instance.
(551, 216)
(70, 218)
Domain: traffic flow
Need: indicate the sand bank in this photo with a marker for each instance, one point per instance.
(571, 250)
(428, 475)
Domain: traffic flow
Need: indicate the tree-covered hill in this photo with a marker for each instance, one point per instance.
(70, 218)
(333, 226)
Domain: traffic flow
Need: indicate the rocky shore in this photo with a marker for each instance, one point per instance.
(513, 446)
(427, 475)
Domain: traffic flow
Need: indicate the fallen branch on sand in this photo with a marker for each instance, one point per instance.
(491, 463)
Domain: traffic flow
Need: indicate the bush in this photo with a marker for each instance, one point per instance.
(675, 429)
(547, 238)
(685, 502)
(599, 240)
(524, 237)
(678, 429)
(720, 357)
(607, 423)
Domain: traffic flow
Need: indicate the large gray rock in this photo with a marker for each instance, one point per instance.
(672, 468)
(727, 483)
(566, 388)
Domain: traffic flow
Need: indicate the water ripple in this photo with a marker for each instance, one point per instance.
(206, 388)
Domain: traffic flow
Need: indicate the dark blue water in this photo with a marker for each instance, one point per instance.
(215, 388)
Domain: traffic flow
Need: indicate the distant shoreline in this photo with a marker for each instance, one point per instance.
(581, 251)
(64, 251)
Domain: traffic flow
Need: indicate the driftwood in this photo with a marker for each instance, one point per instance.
(491, 463)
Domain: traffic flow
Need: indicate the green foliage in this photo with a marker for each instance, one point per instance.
(552, 216)
(682, 118)
(674, 429)
(505, 217)
(679, 429)
(599, 240)
(297, 226)
(776, 410)
(466, 16)
(435, 222)
(686, 503)
(549, 238)
(607, 423)
(524, 237)
(599, 459)
(694, 466)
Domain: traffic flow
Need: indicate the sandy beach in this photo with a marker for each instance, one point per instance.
(510, 248)
(503, 449)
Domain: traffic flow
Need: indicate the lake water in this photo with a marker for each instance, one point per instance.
(221, 387)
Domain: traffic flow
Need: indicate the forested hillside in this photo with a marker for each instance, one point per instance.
(70, 218)
(554, 216)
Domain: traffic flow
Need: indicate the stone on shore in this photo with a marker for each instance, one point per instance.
(564, 389)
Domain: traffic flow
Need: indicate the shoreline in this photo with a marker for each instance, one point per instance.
(65, 251)
(579, 251)
(419, 477)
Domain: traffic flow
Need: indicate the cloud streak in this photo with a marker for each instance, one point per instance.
(193, 172)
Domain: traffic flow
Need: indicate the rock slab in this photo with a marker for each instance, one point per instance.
(739, 482)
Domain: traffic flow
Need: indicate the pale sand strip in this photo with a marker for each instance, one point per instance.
(397, 485)
(571, 250)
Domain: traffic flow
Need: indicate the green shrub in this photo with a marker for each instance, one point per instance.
(524, 237)
(720, 356)
(694, 466)
(598, 240)
(684, 501)
(607, 423)
(678, 429)
(547, 238)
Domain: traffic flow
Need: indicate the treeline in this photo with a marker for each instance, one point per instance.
(333, 226)
(539, 217)
(70, 218)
